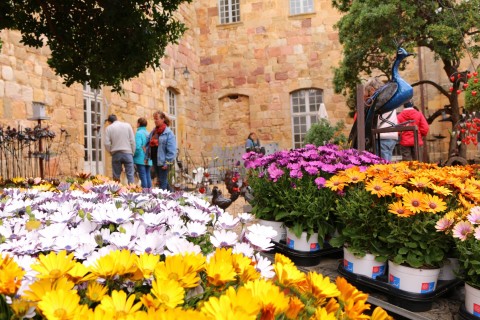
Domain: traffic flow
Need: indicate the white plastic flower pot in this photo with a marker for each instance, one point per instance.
(449, 269)
(277, 226)
(301, 243)
(366, 266)
(415, 280)
(472, 300)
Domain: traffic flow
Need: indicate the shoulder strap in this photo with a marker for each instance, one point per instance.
(385, 120)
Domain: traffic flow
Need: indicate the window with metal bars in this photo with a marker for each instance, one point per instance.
(229, 11)
(301, 6)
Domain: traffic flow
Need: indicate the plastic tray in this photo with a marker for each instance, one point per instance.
(416, 302)
(306, 258)
(464, 314)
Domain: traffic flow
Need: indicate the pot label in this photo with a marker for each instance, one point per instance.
(347, 265)
(428, 287)
(314, 247)
(394, 281)
(476, 310)
(377, 271)
(290, 243)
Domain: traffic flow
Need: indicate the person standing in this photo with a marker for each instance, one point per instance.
(407, 141)
(120, 143)
(253, 144)
(162, 148)
(388, 140)
(140, 159)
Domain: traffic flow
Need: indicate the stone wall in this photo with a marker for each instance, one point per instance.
(241, 78)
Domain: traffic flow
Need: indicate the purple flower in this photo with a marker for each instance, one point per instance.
(320, 182)
(274, 172)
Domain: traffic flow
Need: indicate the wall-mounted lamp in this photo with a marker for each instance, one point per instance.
(186, 73)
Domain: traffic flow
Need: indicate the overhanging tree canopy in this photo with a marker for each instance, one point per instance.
(369, 29)
(103, 42)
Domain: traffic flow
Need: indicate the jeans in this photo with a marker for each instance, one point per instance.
(162, 177)
(125, 159)
(144, 175)
(386, 148)
(408, 153)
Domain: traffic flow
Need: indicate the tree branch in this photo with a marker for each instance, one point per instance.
(436, 85)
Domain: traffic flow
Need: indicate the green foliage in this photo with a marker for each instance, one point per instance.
(469, 258)
(100, 42)
(442, 27)
(362, 219)
(421, 244)
(323, 132)
(298, 203)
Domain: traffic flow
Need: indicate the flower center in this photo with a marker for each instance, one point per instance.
(55, 273)
(415, 203)
(164, 297)
(60, 313)
(173, 276)
(432, 205)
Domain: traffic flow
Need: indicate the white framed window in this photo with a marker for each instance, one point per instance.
(172, 109)
(301, 6)
(92, 133)
(305, 112)
(229, 11)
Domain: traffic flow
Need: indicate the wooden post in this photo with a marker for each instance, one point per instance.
(360, 119)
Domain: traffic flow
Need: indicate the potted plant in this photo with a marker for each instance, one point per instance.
(410, 198)
(464, 226)
(288, 186)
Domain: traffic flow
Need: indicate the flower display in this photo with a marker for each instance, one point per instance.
(289, 186)
(391, 209)
(98, 251)
(182, 286)
(463, 225)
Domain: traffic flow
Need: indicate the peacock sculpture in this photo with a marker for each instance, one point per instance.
(387, 98)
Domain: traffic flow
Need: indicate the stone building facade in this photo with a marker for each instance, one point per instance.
(243, 76)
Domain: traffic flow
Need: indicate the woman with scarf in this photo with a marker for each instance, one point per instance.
(162, 148)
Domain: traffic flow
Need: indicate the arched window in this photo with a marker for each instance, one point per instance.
(305, 112)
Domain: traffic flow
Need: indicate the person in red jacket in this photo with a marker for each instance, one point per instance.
(406, 137)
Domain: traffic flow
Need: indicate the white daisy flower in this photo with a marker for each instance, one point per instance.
(84, 250)
(266, 231)
(196, 229)
(177, 245)
(244, 248)
(246, 217)
(153, 219)
(224, 238)
(227, 221)
(150, 243)
(264, 266)
(197, 215)
(259, 242)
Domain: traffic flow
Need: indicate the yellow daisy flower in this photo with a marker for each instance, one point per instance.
(244, 268)
(323, 314)
(119, 305)
(354, 175)
(220, 268)
(280, 258)
(434, 204)
(354, 301)
(176, 268)
(378, 187)
(243, 300)
(233, 305)
(441, 190)
(195, 262)
(95, 291)
(21, 308)
(11, 275)
(321, 287)
(414, 201)
(420, 182)
(77, 273)
(332, 305)
(274, 302)
(60, 304)
(168, 292)
(288, 275)
(147, 263)
(40, 287)
(380, 314)
(53, 265)
(399, 209)
(295, 306)
(336, 183)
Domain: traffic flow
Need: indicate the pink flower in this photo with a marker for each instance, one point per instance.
(477, 233)
(443, 224)
(474, 217)
(462, 230)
